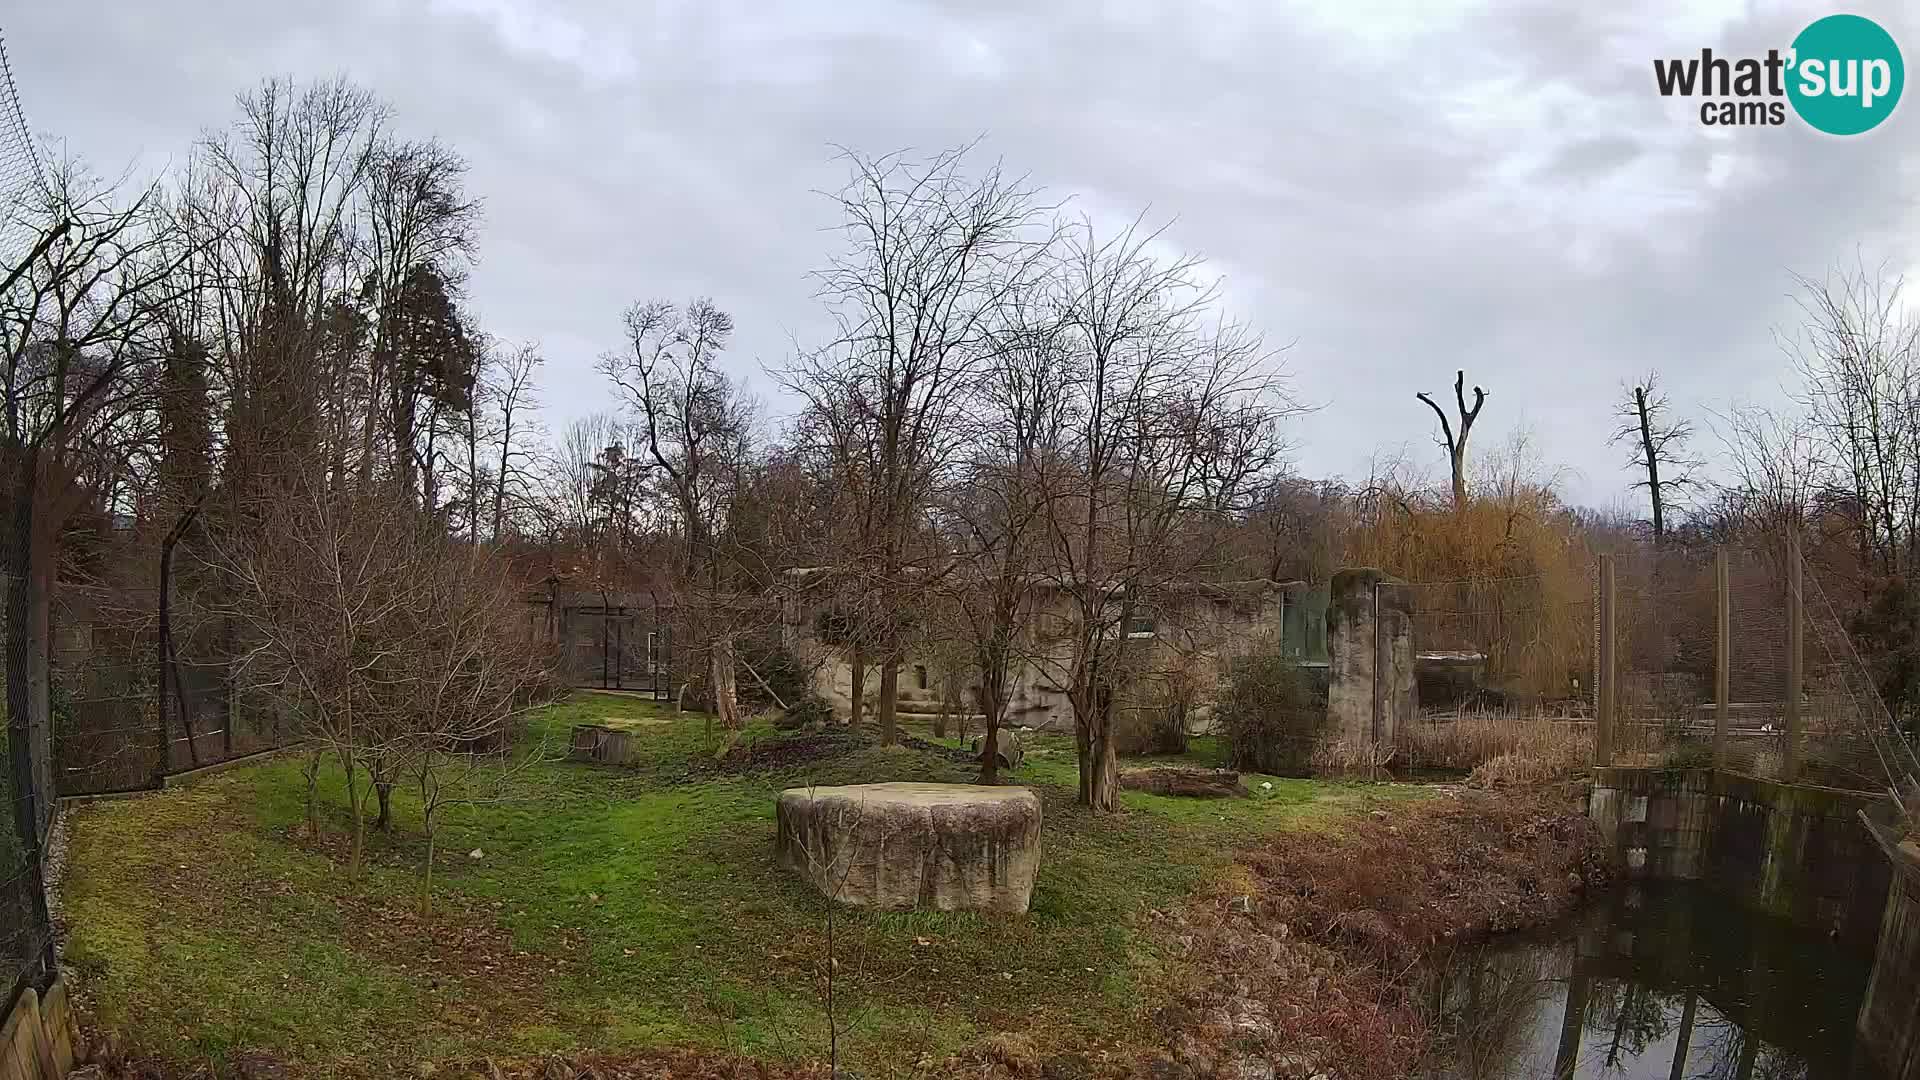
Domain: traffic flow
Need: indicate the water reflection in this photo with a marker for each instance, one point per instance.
(1656, 983)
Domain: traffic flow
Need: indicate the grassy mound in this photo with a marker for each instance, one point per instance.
(622, 912)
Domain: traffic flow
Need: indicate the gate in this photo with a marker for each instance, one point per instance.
(619, 648)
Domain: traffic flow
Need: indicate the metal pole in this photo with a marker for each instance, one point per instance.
(1604, 693)
(1722, 657)
(1795, 638)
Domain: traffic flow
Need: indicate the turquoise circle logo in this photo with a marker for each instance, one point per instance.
(1847, 75)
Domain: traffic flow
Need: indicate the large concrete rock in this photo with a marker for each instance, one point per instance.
(951, 847)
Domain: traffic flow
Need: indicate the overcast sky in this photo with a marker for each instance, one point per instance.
(1396, 189)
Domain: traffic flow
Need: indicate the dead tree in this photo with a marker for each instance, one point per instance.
(1456, 444)
(1658, 443)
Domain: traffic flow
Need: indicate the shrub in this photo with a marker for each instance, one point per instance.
(1269, 716)
(1155, 727)
(809, 709)
(1688, 754)
(786, 675)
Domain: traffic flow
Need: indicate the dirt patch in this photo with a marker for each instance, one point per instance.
(954, 754)
(1186, 782)
(787, 751)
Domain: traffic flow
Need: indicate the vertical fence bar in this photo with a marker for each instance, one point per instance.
(1603, 729)
(1796, 634)
(1722, 656)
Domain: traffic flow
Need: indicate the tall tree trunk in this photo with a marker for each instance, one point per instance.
(383, 791)
(889, 700)
(857, 687)
(1652, 456)
(1680, 1045)
(1573, 1021)
(1104, 791)
(723, 678)
(993, 706)
(358, 817)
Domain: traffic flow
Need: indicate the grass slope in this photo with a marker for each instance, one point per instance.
(612, 909)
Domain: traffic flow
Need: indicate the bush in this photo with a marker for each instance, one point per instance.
(786, 676)
(1269, 716)
(809, 709)
(1158, 725)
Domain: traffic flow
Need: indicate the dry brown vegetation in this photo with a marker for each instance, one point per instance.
(1499, 748)
(1314, 976)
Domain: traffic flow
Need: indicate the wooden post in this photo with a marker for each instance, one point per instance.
(1795, 639)
(1722, 657)
(1604, 692)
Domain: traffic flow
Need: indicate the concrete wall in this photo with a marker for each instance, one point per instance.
(36, 1042)
(1196, 631)
(1370, 691)
(1889, 1022)
(1795, 851)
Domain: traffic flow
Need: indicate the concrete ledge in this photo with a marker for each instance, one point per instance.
(1795, 851)
(1804, 798)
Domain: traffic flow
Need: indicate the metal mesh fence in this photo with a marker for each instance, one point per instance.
(19, 169)
(1509, 668)
(26, 811)
(1501, 667)
(1665, 634)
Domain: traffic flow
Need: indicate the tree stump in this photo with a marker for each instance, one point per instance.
(948, 847)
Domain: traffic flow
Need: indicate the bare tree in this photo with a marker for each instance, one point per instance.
(82, 343)
(419, 237)
(931, 250)
(1776, 469)
(394, 644)
(695, 426)
(514, 395)
(1455, 444)
(288, 177)
(995, 510)
(1659, 444)
(1858, 357)
(1169, 421)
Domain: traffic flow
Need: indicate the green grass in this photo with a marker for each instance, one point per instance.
(614, 909)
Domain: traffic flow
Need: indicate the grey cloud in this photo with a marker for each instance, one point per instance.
(1498, 188)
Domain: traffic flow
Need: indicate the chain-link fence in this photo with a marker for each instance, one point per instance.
(1502, 670)
(26, 930)
(1510, 669)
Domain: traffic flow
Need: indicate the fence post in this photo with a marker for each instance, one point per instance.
(1722, 657)
(1604, 691)
(1795, 638)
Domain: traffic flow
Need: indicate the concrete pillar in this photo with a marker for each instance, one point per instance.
(1370, 689)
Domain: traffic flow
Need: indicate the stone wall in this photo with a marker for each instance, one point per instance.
(1889, 1023)
(1191, 633)
(1370, 690)
(1792, 850)
(36, 1042)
